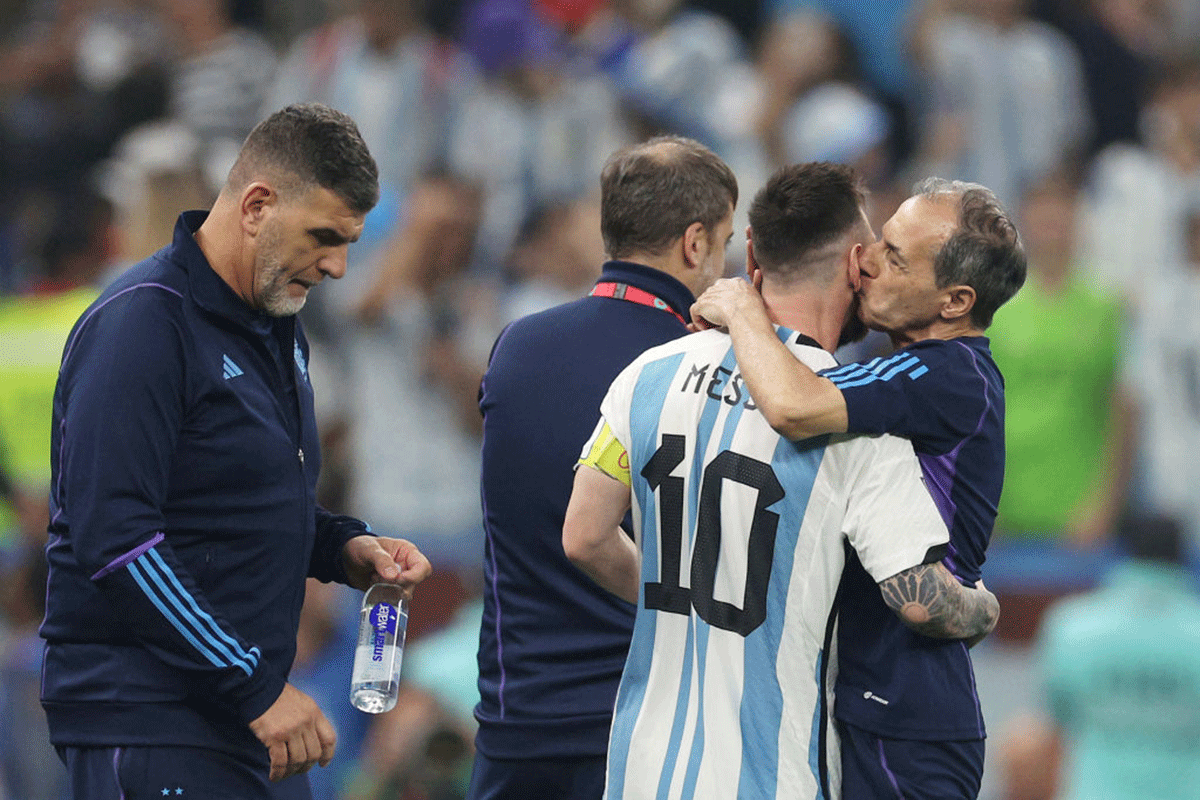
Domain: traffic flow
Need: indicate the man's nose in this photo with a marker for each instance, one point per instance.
(334, 263)
(868, 265)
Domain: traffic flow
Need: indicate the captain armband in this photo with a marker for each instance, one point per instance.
(608, 455)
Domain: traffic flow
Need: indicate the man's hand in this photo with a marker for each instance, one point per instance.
(376, 559)
(724, 300)
(296, 734)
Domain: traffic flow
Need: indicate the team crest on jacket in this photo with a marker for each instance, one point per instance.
(301, 364)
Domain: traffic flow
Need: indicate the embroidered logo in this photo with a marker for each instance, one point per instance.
(232, 370)
(301, 364)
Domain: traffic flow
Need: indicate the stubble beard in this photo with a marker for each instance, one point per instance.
(271, 282)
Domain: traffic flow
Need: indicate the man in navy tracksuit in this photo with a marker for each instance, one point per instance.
(553, 643)
(183, 513)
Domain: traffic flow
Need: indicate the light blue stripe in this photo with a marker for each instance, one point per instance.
(153, 575)
(681, 707)
(918, 372)
(852, 368)
(697, 754)
(871, 378)
(872, 368)
(896, 370)
(796, 466)
(649, 396)
(135, 572)
(214, 628)
(704, 431)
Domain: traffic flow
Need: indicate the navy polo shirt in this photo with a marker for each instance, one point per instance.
(552, 644)
(947, 397)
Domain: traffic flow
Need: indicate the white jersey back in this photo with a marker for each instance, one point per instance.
(725, 692)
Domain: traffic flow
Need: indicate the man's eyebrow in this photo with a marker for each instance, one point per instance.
(328, 237)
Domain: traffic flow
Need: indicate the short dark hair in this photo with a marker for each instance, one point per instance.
(801, 209)
(307, 145)
(983, 252)
(651, 192)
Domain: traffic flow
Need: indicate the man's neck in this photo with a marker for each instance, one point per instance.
(667, 264)
(938, 330)
(809, 313)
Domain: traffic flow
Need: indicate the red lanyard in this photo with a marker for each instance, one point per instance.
(623, 291)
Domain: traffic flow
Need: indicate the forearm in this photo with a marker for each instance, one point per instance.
(796, 401)
(592, 538)
(612, 562)
(931, 601)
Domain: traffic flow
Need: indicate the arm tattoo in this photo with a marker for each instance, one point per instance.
(930, 601)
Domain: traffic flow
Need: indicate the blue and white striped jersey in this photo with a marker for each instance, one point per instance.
(741, 532)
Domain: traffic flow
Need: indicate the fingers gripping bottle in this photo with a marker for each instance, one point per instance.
(375, 682)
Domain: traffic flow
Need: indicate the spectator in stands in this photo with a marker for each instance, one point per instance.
(879, 33)
(1139, 196)
(814, 106)
(1069, 431)
(34, 326)
(1004, 95)
(218, 79)
(1162, 374)
(540, 128)
(404, 85)
(1121, 668)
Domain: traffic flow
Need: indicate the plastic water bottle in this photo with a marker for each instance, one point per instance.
(375, 682)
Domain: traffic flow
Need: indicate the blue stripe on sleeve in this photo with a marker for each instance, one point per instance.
(214, 628)
(187, 617)
(135, 570)
(853, 368)
(877, 375)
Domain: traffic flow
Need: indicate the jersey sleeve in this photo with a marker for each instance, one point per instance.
(125, 376)
(932, 393)
(891, 519)
(615, 407)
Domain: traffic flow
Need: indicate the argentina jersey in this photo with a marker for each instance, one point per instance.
(727, 688)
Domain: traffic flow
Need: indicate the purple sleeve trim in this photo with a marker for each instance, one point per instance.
(120, 561)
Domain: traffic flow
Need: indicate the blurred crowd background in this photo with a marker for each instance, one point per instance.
(490, 120)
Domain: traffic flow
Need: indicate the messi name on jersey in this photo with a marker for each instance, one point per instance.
(719, 383)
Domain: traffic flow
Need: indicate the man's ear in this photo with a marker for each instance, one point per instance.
(853, 268)
(751, 262)
(258, 199)
(695, 245)
(958, 302)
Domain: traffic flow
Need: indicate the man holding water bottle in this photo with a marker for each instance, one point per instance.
(183, 514)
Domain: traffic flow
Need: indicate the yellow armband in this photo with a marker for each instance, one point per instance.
(608, 455)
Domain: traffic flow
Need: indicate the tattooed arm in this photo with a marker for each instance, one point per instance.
(930, 601)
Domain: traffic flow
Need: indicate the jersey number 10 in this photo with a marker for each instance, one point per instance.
(668, 595)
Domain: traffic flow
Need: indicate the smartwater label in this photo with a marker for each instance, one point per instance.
(383, 619)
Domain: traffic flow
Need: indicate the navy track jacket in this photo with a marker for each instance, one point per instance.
(553, 643)
(183, 512)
